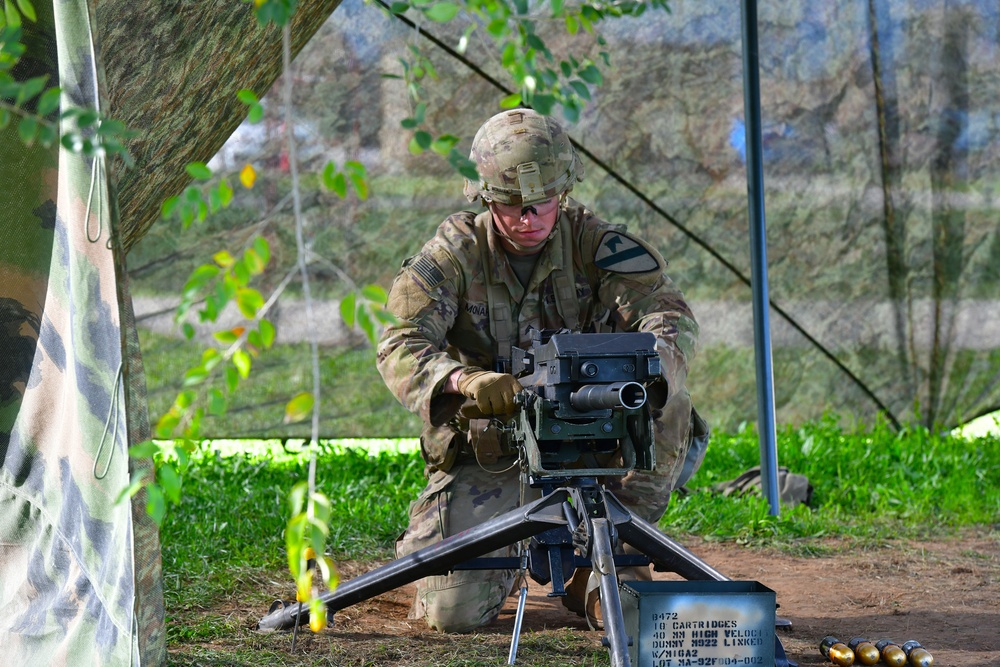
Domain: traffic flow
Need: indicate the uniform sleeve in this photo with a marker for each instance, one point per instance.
(411, 354)
(633, 283)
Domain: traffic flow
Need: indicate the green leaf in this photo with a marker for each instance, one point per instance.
(188, 330)
(443, 144)
(27, 129)
(200, 277)
(167, 423)
(263, 248)
(225, 193)
(297, 503)
(170, 482)
(27, 9)
(11, 14)
(227, 337)
(442, 12)
(49, 101)
(299, 407)
(366, 325)
(384, 316)
(571, 111)
(247, 96)
(30, 88)
(581, 89)
(224, 259)
(335, 180)
(249, 301)
(255, 114)
(543, 104)
(572, 24)
(375, 293)
(195, 376)
(420, 113)
(232, 379)
(241, 272)
(360, 184)
(414, 146)
(185, 399)
(217, 404)
(557, 7)
(463, 165)
(399, 7)
(143, 450)
(267, 333)
(242, 362)
(199, 171)
(348, 306)
(512, 101)
(497, 27)
(254, 262)
(155, 507)
(591, 74)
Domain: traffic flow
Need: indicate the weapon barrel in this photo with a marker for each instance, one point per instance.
(616, 395)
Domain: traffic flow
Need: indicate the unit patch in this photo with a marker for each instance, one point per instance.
(620, 253)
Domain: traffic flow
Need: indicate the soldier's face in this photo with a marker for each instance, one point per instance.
(528, 226)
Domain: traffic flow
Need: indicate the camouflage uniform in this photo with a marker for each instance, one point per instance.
(441, 297)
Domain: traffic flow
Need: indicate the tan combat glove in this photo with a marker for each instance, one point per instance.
(493, 392)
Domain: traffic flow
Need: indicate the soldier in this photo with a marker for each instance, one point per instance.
(533, 259)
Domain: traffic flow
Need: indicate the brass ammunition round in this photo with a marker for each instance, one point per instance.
(864, 651)
(892, 654)
(921, 657)
(918, 655)
(836, 651)
(841, 655)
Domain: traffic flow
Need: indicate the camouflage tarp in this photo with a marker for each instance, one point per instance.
(80, 579)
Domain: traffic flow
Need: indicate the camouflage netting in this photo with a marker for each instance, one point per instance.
(880, 153)
(80, 579)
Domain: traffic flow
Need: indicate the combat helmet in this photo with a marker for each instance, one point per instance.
(523, 157)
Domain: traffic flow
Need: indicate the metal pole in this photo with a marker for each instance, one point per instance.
(758, 256)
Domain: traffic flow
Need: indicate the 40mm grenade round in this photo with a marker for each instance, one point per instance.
(918, 655)
(864, 651)
(892, 655)
(836, 651)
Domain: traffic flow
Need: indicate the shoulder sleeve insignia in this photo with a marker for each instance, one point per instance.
(428, 272)
(620, 253)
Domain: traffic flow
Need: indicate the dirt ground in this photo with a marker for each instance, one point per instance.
(945, 594)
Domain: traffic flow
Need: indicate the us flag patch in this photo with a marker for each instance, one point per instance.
(619, 253)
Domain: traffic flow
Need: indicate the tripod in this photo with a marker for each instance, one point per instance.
(577, 516)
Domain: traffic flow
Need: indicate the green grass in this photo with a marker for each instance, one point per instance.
(869, 485)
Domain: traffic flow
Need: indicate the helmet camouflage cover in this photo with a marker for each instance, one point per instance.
(523, 157)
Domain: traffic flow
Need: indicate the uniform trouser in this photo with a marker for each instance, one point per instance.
(470, 494)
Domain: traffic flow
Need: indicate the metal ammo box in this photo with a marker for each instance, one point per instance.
(699, 623)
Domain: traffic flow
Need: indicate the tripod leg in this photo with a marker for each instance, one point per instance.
(603, 562)
(665, 553)
(438, 558)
